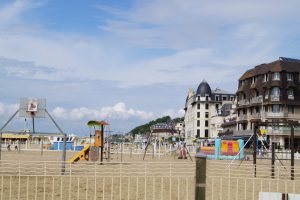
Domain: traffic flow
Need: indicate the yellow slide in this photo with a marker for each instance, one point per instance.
(81, 155)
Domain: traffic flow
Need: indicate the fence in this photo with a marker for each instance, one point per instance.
(237, 181)
(42, 180)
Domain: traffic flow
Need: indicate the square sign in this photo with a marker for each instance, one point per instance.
(30, 107)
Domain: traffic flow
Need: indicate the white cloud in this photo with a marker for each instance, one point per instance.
(201, 38)
(118, 111)
(8, 109)
(174, 113)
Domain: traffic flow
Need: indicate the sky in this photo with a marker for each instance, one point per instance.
(128, 62)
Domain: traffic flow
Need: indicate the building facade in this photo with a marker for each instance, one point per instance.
(270, 93)
(200, 108)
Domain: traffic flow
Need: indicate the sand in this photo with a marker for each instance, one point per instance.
(29, 175)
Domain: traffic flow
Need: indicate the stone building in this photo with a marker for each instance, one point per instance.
(200, 108)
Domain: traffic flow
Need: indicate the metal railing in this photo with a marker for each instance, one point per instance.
(237, 181)
(242, 117)
(275, 98)
(42, 180)
(243, 102)
(256, 116)
(258, 99)
(276, 115)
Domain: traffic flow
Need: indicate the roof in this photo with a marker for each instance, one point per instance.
(282, 64)
(97, 123)
(203, 89)
(15, 136)
(219, 91)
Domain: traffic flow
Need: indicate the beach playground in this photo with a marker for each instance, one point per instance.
(26, 174)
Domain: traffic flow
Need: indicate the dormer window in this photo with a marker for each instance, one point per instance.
(253, 79)
(206, 97)
(289, 76)
(276, 76)
(266, 77)
(217, 98)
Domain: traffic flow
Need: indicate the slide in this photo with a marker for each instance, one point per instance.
(81, 155)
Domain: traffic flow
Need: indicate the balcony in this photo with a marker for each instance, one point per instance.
(256, 116)
(258, 99)
(242, 117)
(275, 98)
(276, 115)
(243, 102)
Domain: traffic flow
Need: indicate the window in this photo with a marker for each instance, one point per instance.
(257, 109)
(206, 97)
(206, 106)
(290, 109)
(198, 114)
(267, 94)
(276, 108)
(206, 114)
(217, 98)
(231, 98)
(198, 106)
(217, 106)
(206, 123)
(290, 93)
(198, 123)
(206, 133)
(276, 76)
(266, 77)
(224, 98)
(198, 133)
(276, 91)
(266, 108)
(289, 76)
(253, 79)
(198, 98)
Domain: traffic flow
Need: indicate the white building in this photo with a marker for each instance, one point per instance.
(200, 107)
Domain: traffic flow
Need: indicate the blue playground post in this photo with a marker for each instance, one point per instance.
(217, 148)
(242, 152)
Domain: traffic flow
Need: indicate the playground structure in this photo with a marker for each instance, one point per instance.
(290, 124)
(91, 151)
(225, 150)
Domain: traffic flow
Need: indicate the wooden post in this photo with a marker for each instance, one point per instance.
(108, 151)
(130, 151)
(200, 177)
(101, 143)
(153, 152)
(273, 160)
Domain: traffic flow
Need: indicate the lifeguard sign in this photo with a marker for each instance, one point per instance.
(30, 107)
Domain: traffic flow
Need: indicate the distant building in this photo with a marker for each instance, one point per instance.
(162, 130)
(200, 108)
(270, 93)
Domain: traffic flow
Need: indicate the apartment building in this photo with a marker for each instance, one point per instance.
(270, 93)
(202, 109)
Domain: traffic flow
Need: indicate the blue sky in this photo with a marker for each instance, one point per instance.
(132, 61)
